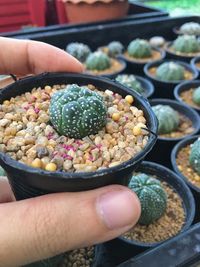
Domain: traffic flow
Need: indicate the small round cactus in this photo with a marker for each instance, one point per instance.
(152, 196)
(196, 96)
(191, 28)
(139, 48)
(168, 118)
(186, 44)
(77, 111)
(170, 71)
(131, 82)
(79, 51)
(115, 48)
(194, 157)
(157, 41)
(98, 61)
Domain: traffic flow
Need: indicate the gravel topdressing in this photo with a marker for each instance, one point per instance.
(27, 135)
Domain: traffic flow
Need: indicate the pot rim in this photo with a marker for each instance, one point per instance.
(186, 107)
(182, 185)
(178, 88)
(193, 62)
(7, 160)
(159, 62)
(187, 141)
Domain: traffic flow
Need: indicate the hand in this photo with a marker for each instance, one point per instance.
(42, 227)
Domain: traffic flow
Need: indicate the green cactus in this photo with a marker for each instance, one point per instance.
(98, 61)
(191, 28)
(139, 48)
(77, 111)
(168, 118)
(152, 196)
(194, 157)
(79, 51)
(196, 96)
(2, 172)
(131, 82)
(115, 48)
(170, 71)
(186, 44)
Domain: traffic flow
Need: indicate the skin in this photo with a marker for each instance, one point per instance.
(42, 227)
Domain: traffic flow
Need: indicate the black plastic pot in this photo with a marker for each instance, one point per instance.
(121, 248)
(195, 190)
(30, 182)
(163, 147)
(165, 89)
(114, 74)
(174, 252)
(138, 66)
(52, 262)
(184, 87)
(173, 55)
(146, 84)
(193, 62)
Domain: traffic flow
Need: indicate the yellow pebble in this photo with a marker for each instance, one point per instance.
(51, 167)
(6, 102)
(129, 99)
(116, 116)
(197, 178)
(36, 163)
(47, 88)
(137, 130)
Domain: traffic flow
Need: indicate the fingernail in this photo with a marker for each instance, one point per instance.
(118, 209)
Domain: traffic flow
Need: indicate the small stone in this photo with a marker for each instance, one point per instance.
(129, 99)
(67, 165)
(51, 167)
(4, 122)
(116, 116)
(36, 163)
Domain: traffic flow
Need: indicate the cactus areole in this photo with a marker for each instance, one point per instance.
(152, 196)
(77, 112)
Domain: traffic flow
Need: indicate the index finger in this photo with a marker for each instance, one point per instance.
(31, 57)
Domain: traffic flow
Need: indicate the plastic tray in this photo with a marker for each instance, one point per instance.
(136, 12)
(183, 250)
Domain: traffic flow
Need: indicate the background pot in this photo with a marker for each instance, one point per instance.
(193, 62)
(173, 55)
(95, 10)
(185, 86)
(163, 147)
(29, 182)
(146, 84)
(114, 74)
(165, 89)
(195, 190)
(128, 248)
(137, 67)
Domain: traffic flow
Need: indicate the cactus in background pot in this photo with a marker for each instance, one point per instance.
(152, 196)
(115, 48)
(130, 81)
(194, 158)
(168, 118)
(170, 71)
(98, 61)
(77, 111)
(139, 48)
(191, 28)
(196, 96)
(186, 44)
(79, 51)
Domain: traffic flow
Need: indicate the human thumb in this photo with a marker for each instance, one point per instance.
(45, 226)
